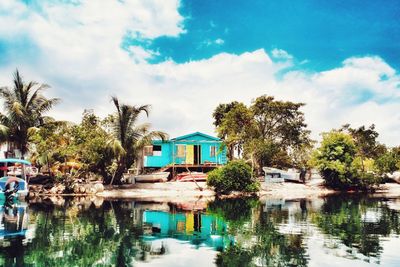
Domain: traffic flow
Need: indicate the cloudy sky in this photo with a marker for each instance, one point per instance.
(341, 58)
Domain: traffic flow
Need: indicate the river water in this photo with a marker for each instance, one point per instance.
(335, 231)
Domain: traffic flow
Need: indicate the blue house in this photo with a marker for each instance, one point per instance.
(195, 149)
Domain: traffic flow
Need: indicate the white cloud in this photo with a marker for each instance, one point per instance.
(281, 54)
(219, 41)
(79, 54)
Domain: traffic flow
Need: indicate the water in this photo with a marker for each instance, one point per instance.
(335, 231)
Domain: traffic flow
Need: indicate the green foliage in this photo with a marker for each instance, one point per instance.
(339, 165)
(235, 176)
(128, 137)
(59, 145)
(266, 132)
(24, 109)
(389, 162)
(344, 218)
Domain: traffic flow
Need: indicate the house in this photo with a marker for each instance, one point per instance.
(191, 150)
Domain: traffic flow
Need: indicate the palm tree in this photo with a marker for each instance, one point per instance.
(129, 138)
(24, 106)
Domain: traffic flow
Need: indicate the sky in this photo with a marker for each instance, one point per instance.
(341, 58)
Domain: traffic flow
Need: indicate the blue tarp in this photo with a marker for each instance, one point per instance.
(22, 161)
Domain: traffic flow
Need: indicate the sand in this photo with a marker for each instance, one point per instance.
(189, 191)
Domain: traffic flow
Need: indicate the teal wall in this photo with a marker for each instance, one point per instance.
(169, 148)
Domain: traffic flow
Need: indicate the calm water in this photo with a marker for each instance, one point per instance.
(335, 231)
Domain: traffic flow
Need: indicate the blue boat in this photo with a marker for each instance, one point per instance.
(12, 187)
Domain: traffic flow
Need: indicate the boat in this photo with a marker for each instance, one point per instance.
(191, 176)
(152, 177)
(11, 186)
(274, 175)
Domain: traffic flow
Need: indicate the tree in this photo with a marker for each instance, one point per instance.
(24, 107)
(129, 138)
(279, 121)
(268, 133)
(339, 164)
(233, 123)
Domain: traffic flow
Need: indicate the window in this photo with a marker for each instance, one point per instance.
(148, 150)
(157, 150)
(213, 151)
(180, 151)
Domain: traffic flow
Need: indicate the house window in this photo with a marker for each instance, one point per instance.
(148, 150)
(157, 150)
(180, 151)
(213, 151)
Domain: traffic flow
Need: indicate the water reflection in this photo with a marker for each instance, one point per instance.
(228, 232)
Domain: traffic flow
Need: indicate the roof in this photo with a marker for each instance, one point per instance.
(187, 137)
(22, 161)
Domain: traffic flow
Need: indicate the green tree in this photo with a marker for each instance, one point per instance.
(129, 137)
(340, 165)
(267, 133)
(334, 159)
(233, 121)
(24, 107)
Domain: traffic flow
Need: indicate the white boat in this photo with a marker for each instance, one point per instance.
(152, 178)
(11, 186)
(274, 175)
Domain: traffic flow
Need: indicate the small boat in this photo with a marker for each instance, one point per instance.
(274, 175)
(190, 176)
(12, 187)
(152, 178)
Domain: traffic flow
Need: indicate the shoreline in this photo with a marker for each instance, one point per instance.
(178, 192)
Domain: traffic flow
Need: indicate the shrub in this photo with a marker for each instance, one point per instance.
(235, 176)
(339, 165)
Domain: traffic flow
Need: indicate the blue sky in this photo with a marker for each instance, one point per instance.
(322, 32)
(184, 57)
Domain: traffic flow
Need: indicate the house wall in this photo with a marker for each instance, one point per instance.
(169, 150)
(162, 160)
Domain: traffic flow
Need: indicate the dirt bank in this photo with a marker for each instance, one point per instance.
(188, 191)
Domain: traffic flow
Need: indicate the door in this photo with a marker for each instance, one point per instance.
(197, 154)
(189, 154)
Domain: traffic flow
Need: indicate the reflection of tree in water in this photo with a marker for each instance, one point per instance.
(72, 237)
(358, 222)
(257, 238)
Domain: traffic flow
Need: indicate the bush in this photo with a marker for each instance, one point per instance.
(388, 162)
(339, 165)
(235, 176)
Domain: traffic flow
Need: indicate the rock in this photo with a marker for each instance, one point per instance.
(98, 187)
(75, 188)
(53, 190)
(82, 189)
(98, 201)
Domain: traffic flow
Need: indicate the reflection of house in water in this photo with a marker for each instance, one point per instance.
(198, 228)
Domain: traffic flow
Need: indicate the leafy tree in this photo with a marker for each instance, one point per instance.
(269, 132)
(339, 165)
(129, 137)
(24, 107)
(334, 158)
(235, 176)
(233, 122)
(279, 121)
